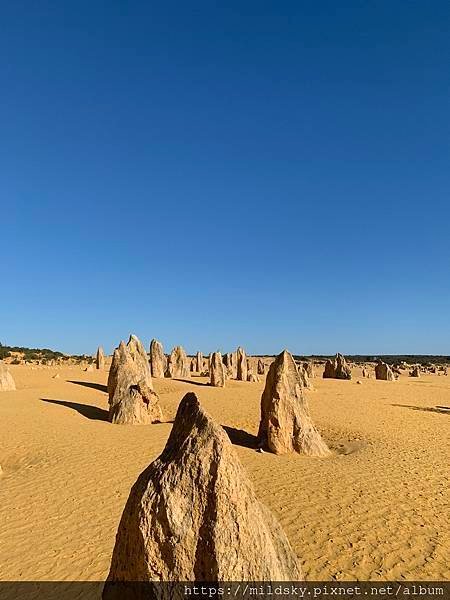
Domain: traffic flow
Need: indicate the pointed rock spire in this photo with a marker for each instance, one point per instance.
(286, 425)
(261, 367)
(131, 396)
(100, 358)
(217, 370)
(241, 365)
(199, 362)
(178, 365)
(193, 514)
(308, 366)
(157, 359)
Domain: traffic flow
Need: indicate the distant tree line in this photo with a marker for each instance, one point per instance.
(390, 359)
(38, 354)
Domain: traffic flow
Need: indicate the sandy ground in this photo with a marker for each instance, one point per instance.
(377, 509)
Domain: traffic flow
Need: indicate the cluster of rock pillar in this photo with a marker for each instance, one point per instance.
(200, 466)
(192, 483)
(337, 368)
(233, 365)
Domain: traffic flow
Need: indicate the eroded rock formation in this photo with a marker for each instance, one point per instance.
(241, 365)
(193, 515)
(7, 383)
(230, 360)
(415, 372)
(308, 366)
(217, 370)
(337, 368)
(158, 360)
(131, 396)
(306, 382)
(178, 365)
(100, 358)
(384, 371)
(199, 362)
(286, 425)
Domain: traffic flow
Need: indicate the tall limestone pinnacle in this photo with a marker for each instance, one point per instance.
(178, 363)
(241, 364)
(157, 359)
(131, 396)
(100, 358)
(217, 370)
(193, 515)
(286, 425)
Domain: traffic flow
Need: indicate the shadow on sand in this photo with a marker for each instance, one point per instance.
(239, 437)
(192, 382)
(90, 412)
(443, 410)
(95, 386)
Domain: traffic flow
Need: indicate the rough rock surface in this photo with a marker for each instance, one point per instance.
(157, 359)
(138, 405)
(329, 370)
(217, 370)
(7, 383)
(384, 371)
(139, 355)
(285, 424)
(178, 365)
(119, 356)
(230, 360)
(252, 377)
(306, 382)
(205, 370)
(261, 367)
(193, 515)
(241, 365)
(415, 372)
(100, 358)
(131, 396)
(308, 366)
(199, 362)
(337, 368)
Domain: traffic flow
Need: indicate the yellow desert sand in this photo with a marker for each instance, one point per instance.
(377, 508)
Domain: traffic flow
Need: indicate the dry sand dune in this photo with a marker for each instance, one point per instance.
(376, 509)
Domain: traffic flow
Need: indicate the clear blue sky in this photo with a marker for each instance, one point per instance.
(271, 174)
